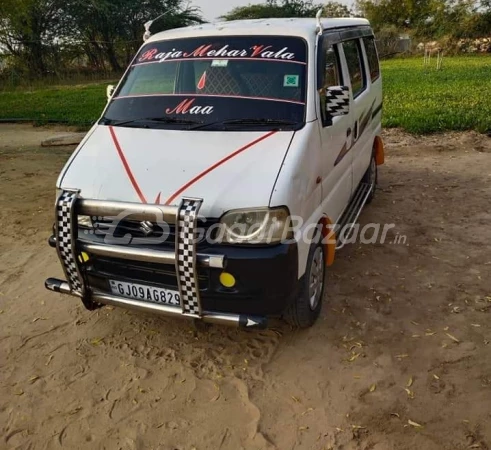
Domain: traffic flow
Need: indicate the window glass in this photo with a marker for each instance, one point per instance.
(332, 76)
(354, 61)
(371, 51)
(154, 79)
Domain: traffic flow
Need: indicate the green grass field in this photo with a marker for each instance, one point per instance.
(455, 98)
(419, 101)
(75, 105)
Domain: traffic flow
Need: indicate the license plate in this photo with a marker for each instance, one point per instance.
(145, 293)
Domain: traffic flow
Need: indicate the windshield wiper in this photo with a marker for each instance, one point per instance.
(170, 120)
(260, 122)
(247, 121)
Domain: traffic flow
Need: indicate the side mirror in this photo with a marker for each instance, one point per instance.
(110, 91)
(337, 101)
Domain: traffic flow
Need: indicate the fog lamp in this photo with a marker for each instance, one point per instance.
(227, 280)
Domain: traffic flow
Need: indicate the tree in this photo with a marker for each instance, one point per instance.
(336, 9)
(109, 27)
(37, 32)
(274, 9)
(483, 18)
(423, 18)
(29, 29)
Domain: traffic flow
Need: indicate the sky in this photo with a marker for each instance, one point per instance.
(213, 9)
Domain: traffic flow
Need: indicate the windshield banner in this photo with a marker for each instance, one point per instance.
(201, 109)
(272, 48)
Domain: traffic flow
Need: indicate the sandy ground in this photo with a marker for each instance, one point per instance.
(400, 359)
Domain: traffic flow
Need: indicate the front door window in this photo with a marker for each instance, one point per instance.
(356, 68)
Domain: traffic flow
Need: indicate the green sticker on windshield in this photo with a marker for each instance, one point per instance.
(291, 81)
(219, 63)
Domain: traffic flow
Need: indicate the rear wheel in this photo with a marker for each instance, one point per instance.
(305, 309)
(371, 178)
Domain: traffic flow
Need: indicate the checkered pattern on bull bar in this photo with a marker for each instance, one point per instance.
(337, 101)
(65, 236)
(187, 276)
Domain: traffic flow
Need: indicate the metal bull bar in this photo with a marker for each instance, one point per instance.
(185, 257)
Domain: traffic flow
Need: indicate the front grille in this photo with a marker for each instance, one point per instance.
(141, 272)
(149, 230)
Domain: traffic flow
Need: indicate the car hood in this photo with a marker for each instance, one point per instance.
(228, 170)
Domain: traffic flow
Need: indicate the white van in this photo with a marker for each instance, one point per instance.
(210, 186)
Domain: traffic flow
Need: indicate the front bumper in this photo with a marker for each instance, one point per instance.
(266, 278)
(236, 320)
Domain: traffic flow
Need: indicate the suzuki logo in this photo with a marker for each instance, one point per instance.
(146, 228)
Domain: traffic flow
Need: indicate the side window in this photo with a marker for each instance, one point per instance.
(372, 56)
(332, 76)
(354, 60)
(332, 72)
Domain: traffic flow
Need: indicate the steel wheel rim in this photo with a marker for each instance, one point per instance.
(316, 278)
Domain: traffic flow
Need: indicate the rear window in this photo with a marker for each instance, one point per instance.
(212, 79)
(372, 56)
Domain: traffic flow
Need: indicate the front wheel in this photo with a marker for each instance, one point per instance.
(306, 307)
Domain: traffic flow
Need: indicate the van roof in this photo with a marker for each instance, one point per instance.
(305, 28)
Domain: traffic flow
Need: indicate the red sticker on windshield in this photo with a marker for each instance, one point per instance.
(202, 81)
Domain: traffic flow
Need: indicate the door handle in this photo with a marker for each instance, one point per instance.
(348, 132)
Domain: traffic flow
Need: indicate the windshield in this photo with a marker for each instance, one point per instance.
(208, 83)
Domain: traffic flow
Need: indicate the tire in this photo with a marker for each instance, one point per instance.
(305, 309)
(371, 178)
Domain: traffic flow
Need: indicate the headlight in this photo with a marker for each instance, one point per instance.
(255, 226)
(85, 222)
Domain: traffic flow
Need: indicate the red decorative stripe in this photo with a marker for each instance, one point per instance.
(126, 166)
(219, 163)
